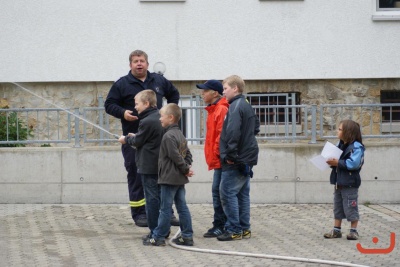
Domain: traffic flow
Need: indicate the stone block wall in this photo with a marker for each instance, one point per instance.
(85, 94)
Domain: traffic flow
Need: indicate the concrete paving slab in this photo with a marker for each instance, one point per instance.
(104, 235)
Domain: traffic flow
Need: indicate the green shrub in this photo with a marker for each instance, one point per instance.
(17, 131)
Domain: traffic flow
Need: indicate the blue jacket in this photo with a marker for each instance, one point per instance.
(122, 94)
(238, 137)
(347, 173)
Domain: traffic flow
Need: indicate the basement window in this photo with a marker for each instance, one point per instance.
(390, 114)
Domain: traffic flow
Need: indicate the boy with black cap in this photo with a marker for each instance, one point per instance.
(217, 107)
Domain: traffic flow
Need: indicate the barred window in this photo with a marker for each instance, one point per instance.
(392, 113)
(279, 114)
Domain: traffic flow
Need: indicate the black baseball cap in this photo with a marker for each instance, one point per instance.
(211, 85)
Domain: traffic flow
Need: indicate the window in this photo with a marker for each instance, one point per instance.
(276, 115)
(386, 10)
(280, 113)
(388, 5)
(392, 113)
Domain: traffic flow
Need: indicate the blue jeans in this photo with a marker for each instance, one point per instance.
(169, 194)
(219, 215)
(152, 196)
(235, 198)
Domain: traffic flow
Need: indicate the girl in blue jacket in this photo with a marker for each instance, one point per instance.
(345, 176)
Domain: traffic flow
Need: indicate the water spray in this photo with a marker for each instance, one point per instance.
(69, 112)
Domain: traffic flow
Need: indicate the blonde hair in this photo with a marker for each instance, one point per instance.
(172, 109)
(235, 80)
(147, 95)
(138, 53)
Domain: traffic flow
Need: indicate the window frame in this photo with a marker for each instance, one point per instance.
(382, 14)
(277, 120)
(391, 124)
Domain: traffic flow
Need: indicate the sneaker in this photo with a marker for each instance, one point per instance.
(149, 235)
(174, 221)
(333, 234)
(213, 232)
(141, 220)
(154, 242)
(352, 236)
(229, 236)
(183, 241)
(246, 234)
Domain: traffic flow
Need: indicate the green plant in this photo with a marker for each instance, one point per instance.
(367, 203)
(16, 130)
(45, 145)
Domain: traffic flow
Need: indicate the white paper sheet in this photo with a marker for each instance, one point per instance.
(329, 151)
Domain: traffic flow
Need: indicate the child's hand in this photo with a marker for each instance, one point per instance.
(190, 173)
(131, 134)
(332, 162)
(121, 139)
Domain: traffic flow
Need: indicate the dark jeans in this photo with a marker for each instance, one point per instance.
(135, 187)
(235, 199)
(219, 215)
(152, 195)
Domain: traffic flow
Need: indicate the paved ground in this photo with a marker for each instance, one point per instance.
(104, 235)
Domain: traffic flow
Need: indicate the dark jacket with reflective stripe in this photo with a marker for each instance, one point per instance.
(122, 94)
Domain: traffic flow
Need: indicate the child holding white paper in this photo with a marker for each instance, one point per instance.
(345, 176)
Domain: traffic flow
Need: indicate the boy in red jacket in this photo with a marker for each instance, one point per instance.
(217, 107)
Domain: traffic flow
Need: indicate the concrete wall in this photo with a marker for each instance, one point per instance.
(72, 40)
(96, 175)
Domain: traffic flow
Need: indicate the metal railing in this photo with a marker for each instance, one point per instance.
(300, 123)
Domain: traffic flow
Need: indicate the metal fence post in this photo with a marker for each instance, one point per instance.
(313, 124)
(101, 123)
(77, 138)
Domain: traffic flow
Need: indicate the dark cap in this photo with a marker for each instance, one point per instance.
(211, 85)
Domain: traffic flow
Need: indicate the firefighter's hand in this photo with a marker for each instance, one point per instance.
(128, 116)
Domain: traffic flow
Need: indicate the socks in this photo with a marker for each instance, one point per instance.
(353, 230)
(337, 229)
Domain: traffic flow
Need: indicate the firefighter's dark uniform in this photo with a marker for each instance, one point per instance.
(121, 98)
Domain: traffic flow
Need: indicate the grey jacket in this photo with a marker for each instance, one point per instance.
(175, 158)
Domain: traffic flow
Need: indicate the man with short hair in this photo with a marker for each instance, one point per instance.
(120, 104)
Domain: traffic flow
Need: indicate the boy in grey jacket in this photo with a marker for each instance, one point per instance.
(174, 168)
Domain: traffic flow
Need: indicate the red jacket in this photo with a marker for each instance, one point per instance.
(215, 120)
